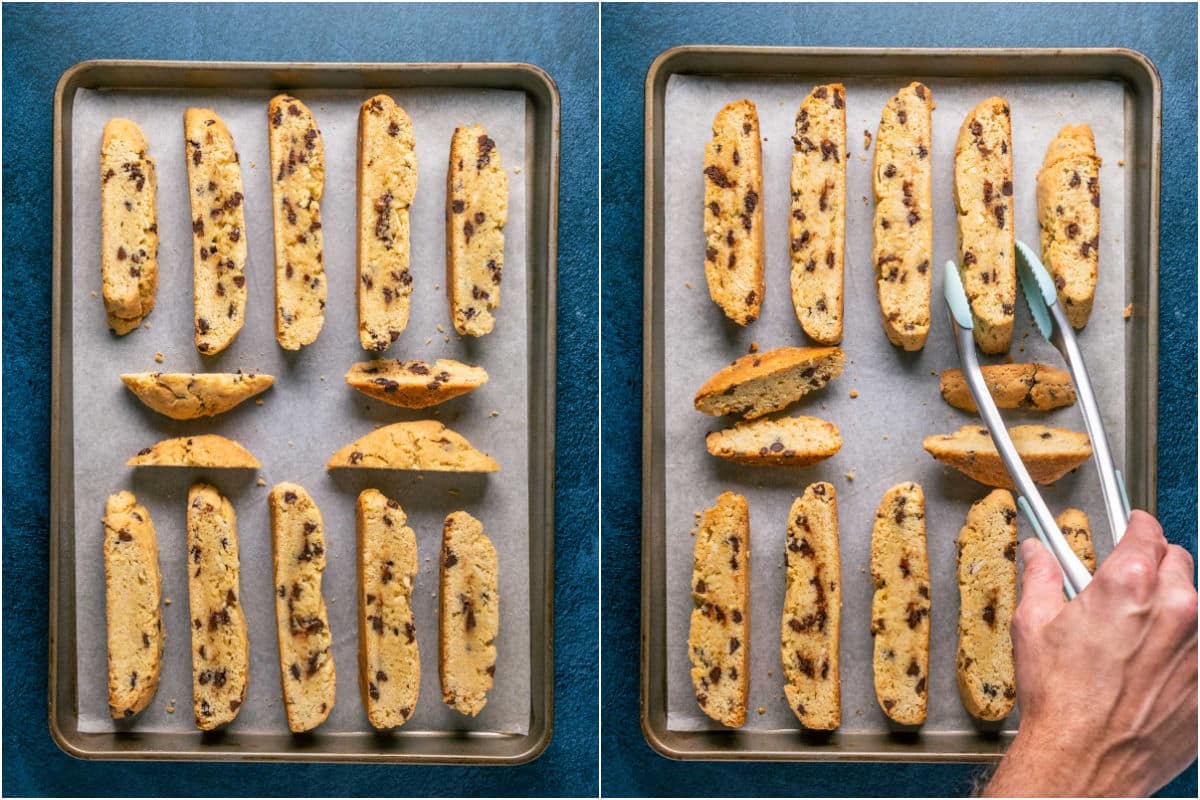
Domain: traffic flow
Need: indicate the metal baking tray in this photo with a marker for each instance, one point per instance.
(534, 121)
(680, 478)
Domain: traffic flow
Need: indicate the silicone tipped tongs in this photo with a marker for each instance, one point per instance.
(1042, 300)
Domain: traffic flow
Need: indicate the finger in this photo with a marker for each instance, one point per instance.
(1177, 567)
(1143, 536)
(1041, 586)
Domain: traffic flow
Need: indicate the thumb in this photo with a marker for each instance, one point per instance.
(1041, 585)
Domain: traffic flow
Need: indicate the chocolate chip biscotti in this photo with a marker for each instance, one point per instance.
(415, 384)
(1048, 453)
(761, 383)
(1035, 387)
(208, 450)
(1068, 198)
(191, 395)
(468, 614)
(783, 442)
(423, 445)
(1074, 526)
(476, 213)
(128, 225)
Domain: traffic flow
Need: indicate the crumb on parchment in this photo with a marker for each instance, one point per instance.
(754, 347)
(166, 601)
(440, 329)
(1128, 311)
(158, 357)
(94, 294)
(258, 401)
(854, 392)
(849, 476)
(261, 481)
(494, 413)
(687, 284)
(761, 710)
(866, 139)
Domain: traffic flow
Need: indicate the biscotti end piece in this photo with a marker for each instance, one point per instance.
(423, 445)
(476, 213)
(208, 450)
(189, 395)
(761, 383)
(469, 614)
(387, 184)
(987, 589)
(1048, 453)
(783, 442)
(128, 225)
(719, 635)
(1075, 527)
(1068, 198)
(133, 596)
(812, 610)
(415, 384)
(1035, 387)
(735, 255)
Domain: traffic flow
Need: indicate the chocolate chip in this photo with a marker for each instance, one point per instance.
(717, 176)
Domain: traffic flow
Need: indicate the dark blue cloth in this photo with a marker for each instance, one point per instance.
(40, 42)
(633, 36)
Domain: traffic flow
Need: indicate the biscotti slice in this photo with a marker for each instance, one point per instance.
(719, 635)
(987, 591)
(208, 450)
(784, 442)
(415, 384)
(817, 225)
(812, 610)
(220, 649)
(1074, 526)
(735, 255)
(903, 186)
(297, 183)
(1048, 453)
(218, 230)
(423, 445)
(133, 596)
(387, 184)
(900, 607)
(476, 212)
(983, 195)
(760, 383)
(389, 662)
(128, 225)
(191, 395)
(1068, 198)
(468, 614)
(305, 643)
(1035, 387)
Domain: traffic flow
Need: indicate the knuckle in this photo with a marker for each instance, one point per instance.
(1180, 603)
(1134, 574)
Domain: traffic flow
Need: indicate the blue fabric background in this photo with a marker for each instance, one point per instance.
(42, 41)
(633, 35)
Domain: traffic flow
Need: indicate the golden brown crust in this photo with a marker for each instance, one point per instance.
(469, 614)
(761, 383)
(415, 384)
(208, 450)
(1048, 453)
(422, 445)
(1036, 387)
(190, 395)
(128, 225)
(476, 213)
(133, 597)
(783, 442)
(1068, 198)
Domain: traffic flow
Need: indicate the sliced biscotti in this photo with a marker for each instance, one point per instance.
(812, 610)
(783, 442)
(1075, 527)
(987, 591)
(468, 614)
(387, 184)
(817, 225)
(220, 648)
(305, 642)
(133, 597)
(1048, 453)
(191, 395)
(218, 230)
(208, 450)
(128, 225)
(983, 195)
(1035, 387)
(900, 606)
(1068, 198)
(476, 213)
(735, 255)
(903, 186)
(415, 384)
(760, 383)
(719, 635)
(423, 445)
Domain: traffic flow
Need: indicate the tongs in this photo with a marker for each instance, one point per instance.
(1038, 289)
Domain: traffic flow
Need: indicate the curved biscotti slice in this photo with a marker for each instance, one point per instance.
(812, 610)
(983, 195)
(476, 213)
(1048, 453)
(1075, 527)
(735, 255)
(1068, 198)
(128, 225)
(218, 230)
(191, 395)
(220, 648)
(133, 597)
(719, 635)
(468, 614)
(306, 667)
(987, 591)
(900, 607)
(423, 445)
(784, 442)
(1036, 387)
(208, 450)
(389, 661)
(903, 186)
(415, 384)
(761, 383)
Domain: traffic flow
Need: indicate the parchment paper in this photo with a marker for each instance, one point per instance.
(309, 413)
(898, 401)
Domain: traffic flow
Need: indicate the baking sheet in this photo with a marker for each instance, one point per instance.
(898, 401)
(309, 413)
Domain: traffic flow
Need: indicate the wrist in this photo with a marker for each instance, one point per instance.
(1050, 765)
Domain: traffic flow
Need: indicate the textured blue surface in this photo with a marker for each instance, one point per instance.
(39, 43)
(633, 35)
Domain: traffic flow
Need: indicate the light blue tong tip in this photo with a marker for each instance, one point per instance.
(1037, 287)
(956, 297)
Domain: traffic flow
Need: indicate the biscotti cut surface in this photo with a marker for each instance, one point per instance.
(761, 383)
(423, 445)
(817, 225)
(387, 184)
(469, 614)
(1074, 526)
(719, 636)
(208, 450)
(735, 255)
(1048, 453)
(191, 395)
(1036, 387)
(785, 442)
(415, 384)
(1068, 198)
(128, 225)
(133, 596)
(476, 212)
